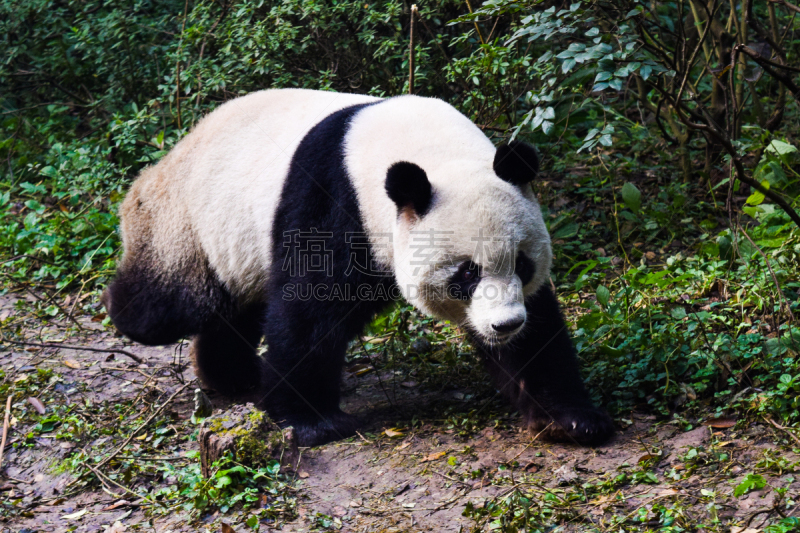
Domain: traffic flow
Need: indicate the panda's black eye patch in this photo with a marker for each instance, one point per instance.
(463, 283)
(524, 268)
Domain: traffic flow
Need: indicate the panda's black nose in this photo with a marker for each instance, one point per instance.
(506, 327)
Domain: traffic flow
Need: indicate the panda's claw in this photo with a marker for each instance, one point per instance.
(585, 425)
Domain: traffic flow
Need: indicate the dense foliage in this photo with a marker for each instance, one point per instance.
(669, 131)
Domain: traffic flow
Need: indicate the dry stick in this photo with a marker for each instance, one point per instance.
(411, 51)
(84, 348)
(774, 277)
(786, 4)
(783, 428)
(475, 22)
(5, 428)
(144, 424)
(691, 60)
(178, 77)
(105, 480)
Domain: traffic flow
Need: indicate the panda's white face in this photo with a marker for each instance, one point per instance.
(475, 255)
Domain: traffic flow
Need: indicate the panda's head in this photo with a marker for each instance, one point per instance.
(470, 243)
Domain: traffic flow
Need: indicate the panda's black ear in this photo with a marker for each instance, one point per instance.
(516, 162)
(408, 186)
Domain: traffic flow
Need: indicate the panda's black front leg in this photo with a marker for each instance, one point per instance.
(306, 345)
(538, 372)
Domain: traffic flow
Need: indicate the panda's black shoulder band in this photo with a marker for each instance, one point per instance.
(516, 162)
(408, 186)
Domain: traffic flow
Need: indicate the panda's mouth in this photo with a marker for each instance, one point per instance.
(499, 338)
(503, 338)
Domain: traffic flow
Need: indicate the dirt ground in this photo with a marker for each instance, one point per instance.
(420, 479)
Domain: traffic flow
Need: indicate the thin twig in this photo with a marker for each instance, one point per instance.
(786, 4)
(105, 480)
(144, 424)
(784, 429)
(475, 22)
(70, 347)
(767, 66)
(411, 50)
(5, 428)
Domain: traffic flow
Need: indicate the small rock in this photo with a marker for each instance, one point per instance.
(566, 474)
(421, 345)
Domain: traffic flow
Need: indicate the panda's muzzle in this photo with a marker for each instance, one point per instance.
(509, 326)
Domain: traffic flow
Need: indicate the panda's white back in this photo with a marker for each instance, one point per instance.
(227, 175)
(224, 180)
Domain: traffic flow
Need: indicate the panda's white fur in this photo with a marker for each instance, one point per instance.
(474, 210)
(223, 184)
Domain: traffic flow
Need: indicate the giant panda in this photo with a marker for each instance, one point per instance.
(296, 215)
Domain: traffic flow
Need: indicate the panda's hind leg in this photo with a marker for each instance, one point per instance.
(225, 356)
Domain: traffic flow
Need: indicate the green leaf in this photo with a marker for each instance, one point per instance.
(566, 231)
(252, 522)
(33, 205)
(678, 313)
(606, 140)
(758, 197)
(632, 197)
(603, 76)
(780, 148)
(567, 65)
(49, 171)
(603, 294)
(750, 483)
(751, 211)
(592, 32)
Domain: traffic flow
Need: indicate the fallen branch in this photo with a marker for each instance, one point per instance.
(144, 424)
(108, 482)
(5, 429)
(71, 347)
(784, 429)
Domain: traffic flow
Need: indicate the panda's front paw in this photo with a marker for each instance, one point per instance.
(585, 425)
(316, 430)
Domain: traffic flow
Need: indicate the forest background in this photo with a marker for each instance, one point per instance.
(668, 132)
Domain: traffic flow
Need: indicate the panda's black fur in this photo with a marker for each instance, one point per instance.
(298, 379)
